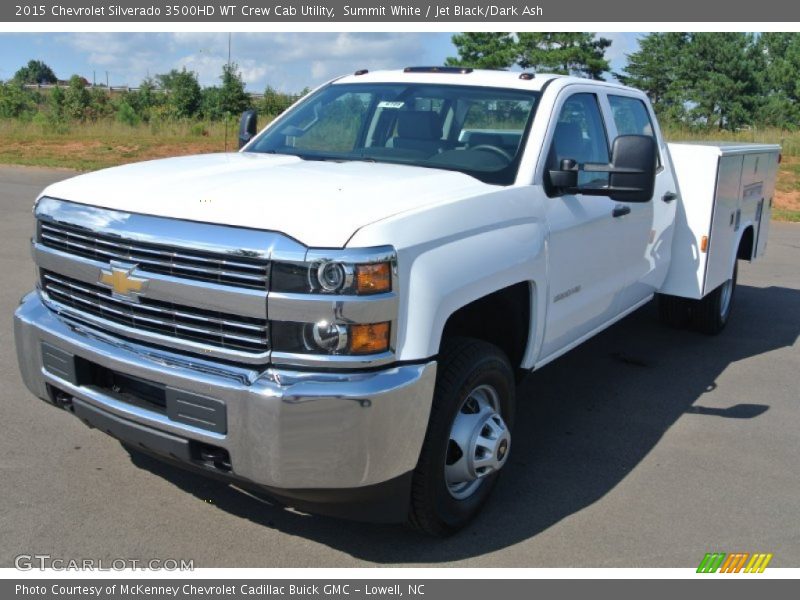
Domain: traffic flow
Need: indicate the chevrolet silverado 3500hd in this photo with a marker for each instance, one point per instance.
(337, 312)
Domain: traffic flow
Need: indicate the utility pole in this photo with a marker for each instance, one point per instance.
(227, 116)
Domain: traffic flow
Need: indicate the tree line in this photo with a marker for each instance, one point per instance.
(718, 80)
(176, 95)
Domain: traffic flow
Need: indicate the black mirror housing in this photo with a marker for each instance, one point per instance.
(248, 127)
(632, 171)
(633, 168)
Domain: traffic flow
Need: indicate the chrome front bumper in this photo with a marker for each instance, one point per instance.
(285, 429)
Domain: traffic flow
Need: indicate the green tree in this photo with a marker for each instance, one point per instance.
(127, 114)
(484, 50)
(722, 79)
(35, 72)
(233, 98)
(657, 68)
(56, 102)
(781, 78)
(274, 102)
(211, 104)
(100, 105)
(77, 98)
(568, 53)
(15, 101)
(184, 96)
(145, 99)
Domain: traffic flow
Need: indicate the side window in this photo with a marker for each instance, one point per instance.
(630, 116)
(580, 134)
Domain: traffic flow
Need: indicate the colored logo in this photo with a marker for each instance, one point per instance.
(737, 562)
(122, 282)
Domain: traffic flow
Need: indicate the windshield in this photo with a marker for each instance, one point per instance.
(475, 130)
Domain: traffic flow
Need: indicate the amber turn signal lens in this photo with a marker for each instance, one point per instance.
(373, 279)
(704, 244)
(369, 339)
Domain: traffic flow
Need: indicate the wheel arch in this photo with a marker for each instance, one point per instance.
(502, 318)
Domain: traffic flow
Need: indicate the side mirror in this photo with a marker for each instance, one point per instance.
(566, 176)
(248, 127)
(633, 163)
(632, 171)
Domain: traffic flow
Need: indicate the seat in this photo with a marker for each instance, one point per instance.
(418, 130)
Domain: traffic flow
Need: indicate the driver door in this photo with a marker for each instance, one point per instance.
(586, 242)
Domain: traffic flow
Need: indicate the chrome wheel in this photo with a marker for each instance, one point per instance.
(479, 443)
(725, 298)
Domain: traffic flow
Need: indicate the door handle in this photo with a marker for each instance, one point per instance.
(620, 211)
(669, 197)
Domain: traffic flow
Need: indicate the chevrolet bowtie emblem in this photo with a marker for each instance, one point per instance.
(121, 281)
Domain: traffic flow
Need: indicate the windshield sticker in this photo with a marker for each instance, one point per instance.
(388, 104)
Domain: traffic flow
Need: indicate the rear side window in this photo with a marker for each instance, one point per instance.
(630, 116)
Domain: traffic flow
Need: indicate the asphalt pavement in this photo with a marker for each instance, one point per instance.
(644, 447)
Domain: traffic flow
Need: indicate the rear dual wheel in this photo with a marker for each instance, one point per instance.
(468, 438)
(708, 315)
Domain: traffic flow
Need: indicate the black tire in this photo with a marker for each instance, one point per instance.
(711, 314)
(464, 365)
(673, 311)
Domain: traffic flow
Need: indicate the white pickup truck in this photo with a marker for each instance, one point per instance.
(339, 312)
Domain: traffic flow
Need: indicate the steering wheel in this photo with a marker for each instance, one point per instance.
(495, 149)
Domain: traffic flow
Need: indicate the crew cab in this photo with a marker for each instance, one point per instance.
(339, 312)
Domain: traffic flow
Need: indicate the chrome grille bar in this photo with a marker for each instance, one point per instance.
(198, 265)
(224, 331)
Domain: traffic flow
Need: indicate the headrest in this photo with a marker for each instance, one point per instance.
(418, 124)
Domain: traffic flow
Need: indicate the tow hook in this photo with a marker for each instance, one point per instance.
(63, 400)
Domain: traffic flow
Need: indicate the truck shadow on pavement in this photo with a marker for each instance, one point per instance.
(584, 423)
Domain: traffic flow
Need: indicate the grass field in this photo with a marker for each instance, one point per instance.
(104, 144)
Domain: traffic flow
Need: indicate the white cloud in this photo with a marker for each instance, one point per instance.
(622, 44)
(286, 61)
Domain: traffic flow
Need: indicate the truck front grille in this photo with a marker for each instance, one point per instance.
(222, 330)
(239, 271)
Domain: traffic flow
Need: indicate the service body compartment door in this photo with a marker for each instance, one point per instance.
(768, 170)
(725, 221)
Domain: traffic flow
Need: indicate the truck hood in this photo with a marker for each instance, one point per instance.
(320, 204)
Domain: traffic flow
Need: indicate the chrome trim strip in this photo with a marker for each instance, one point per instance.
(81, 319)
(352, 255)
(310, 308)
(332, 361)
(189, 235)
(50, 231)
(166, 288)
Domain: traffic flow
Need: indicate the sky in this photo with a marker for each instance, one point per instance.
(285, 61)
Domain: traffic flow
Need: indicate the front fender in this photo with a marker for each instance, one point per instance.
(453, 254)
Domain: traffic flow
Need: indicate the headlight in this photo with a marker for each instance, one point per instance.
(326, 337)
(331, 277)
(347, 272)
(333, 303)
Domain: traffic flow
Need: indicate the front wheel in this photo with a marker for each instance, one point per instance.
(711, 314)
(468, 437)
